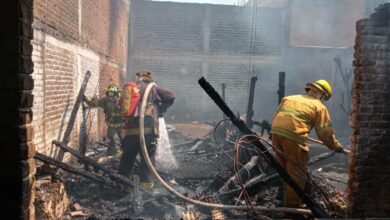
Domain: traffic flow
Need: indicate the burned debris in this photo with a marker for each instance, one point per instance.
(103, 117)
(226, 164)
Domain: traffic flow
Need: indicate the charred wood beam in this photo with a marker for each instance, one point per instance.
(73, 115)
(342, 104)
(90, 176)
(249, 111)
(256, 184)
(83, 137)
(243, 173)
(223, 85)
(264, 125)
(103, 144)
(346, 80)
(282, 79)
(311, 204)
(193, 142)
(253, 186)
(83, 159)
(63, 118)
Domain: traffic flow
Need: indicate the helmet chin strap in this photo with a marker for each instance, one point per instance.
(323, 95)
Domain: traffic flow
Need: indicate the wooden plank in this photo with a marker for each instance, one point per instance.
(73, 116)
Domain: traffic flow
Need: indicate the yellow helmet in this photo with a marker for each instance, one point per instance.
(323, 86)
(112, 90)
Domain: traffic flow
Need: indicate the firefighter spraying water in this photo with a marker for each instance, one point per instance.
(157, 103)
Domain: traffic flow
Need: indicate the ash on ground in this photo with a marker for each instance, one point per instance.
(202, 171)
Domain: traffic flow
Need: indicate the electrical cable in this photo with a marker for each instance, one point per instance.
(304, 175)
(177, 194)
(239, 179)
(247, 198)
(321, 194)
(216, 141)
(215, 138)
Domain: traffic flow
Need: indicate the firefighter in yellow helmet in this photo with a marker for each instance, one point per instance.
(111, 108)
(295, 117)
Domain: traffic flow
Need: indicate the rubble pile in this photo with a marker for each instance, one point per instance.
(202, 173)
(51, 200)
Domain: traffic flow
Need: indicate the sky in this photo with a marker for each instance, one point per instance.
(221, 2)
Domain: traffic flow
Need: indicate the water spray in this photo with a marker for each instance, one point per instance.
(164, 156)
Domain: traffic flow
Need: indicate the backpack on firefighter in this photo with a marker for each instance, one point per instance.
(130, 109)
(129, 101)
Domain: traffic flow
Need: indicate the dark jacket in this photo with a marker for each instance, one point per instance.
(111, 109)
(160, 99)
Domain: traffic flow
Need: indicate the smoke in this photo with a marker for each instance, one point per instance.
(229, 44)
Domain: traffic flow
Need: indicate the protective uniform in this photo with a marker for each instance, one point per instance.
(294, 119)
(111, 108)
(159, 100)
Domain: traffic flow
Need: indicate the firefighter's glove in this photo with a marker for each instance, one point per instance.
(160, 114)
(161, 110)
(340, 150)
(85, 99)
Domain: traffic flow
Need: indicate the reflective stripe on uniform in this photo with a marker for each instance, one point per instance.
(115, 114)
(325, 127)
(135, 131)
(295, 113)
(289, 134)
(115, 125)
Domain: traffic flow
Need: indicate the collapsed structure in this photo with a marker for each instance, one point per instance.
(66, 46)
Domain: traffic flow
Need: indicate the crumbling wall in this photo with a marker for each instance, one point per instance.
(369, 185)
(71, 37)
(182, 42)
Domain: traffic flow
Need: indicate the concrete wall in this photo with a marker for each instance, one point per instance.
(71, 37)
(182, 42)
(369, 185)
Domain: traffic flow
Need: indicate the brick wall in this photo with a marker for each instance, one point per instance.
(61, 15)
(371, 5)
(71, 37)
(369, 185)
(17, 167)
(182, 42)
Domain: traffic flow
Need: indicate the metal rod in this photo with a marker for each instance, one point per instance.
(345, 151)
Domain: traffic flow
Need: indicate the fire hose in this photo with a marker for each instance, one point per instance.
(181, 196)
